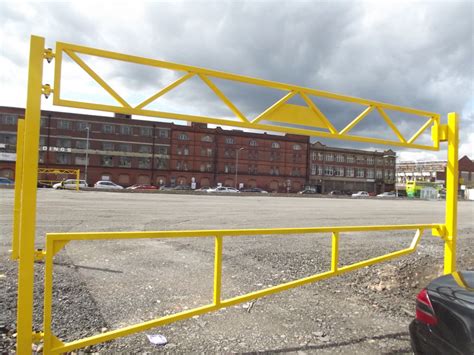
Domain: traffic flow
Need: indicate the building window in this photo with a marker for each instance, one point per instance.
(314, 169)
(125, 147)
(329, 157)
(205, 167)
(320, 156)
(161, 163)
(229, 168)
(42, 141)
(146, 131)
(360, 159)
(182, 165)
(328, 170)
(275, 145)
(125, 162)
(253, 169)
(339, 171)
(253, 143)
(144, 163)
(274, 170)
(8, 138)
(163, 133)
(63, 143)
(350, 159)
(82, 144)
(107, 146)
(350, 172)
(379, 161)
(83, 126)
(144, 149)
(108, 129)
(253, 155)
(360, 173)
(370, 160)
(370, 173)
(8, 119)
(229, 153)
(126, 130)
(63, 124)
(81, 160)
(295, 172)
(63, 158)
(183, 137)
(206, 138)
(378, 174)
(340, 158)
(206, 152)
(229, 140)
(274, 156)
(43, 121)
(163, 150)
(320, 170)
(107, 160)
(296, 147)
(182, 150)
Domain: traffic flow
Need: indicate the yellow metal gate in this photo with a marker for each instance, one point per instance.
(281, 117)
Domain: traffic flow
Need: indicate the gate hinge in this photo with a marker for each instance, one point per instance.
(46, 90)
(48, 54)
(39, 254)
(439, 133)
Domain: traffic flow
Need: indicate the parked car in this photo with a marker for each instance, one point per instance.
(224, 189)
(182, 187)
(335, 193)
(6, 181)
(387, 195)
(107, 185)
(255, 189)
(360, 194)
(307, 191)
(444, 322)
(203, 189)
(166, 188)
(69, 184)
(142, 187)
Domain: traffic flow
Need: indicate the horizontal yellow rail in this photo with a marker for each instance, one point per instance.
(55, 241)
(306, 119)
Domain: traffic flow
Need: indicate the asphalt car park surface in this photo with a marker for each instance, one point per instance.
(105, 285)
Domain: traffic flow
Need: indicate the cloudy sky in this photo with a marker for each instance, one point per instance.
(409, 53)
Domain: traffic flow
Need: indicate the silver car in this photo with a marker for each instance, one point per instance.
(107, 185)
(223, 189)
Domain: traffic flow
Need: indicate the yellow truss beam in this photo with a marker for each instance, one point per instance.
(287, 118)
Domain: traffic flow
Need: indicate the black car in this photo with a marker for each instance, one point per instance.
(444, 321)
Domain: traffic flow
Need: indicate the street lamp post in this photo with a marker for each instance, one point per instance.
(237, 165)
(87, 154)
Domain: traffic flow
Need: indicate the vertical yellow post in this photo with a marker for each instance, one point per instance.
(28, 198)
(335, 251)
(217, 270)
(78, 175)
(452, 176)
(18, 187)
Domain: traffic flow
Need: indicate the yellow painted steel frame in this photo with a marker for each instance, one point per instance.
(54, 243)
(281, 112)
(55, 171)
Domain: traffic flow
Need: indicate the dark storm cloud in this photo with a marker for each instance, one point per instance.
(421, 56)
(410, 53)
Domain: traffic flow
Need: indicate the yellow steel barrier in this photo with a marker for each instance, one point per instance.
(54, 243)
(56, 171)
(302, 120)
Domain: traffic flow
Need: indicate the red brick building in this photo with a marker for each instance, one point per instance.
(129, 151)
(350, 169)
